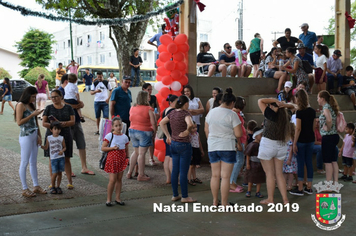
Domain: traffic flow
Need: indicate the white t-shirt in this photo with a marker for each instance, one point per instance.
(55, 146)
(194, 104)
(70, 91)
(103, 95)
(119, 140)
(112, 82)
(320, 62)
(222, 122)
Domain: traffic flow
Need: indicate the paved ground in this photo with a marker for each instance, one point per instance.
(82, 210)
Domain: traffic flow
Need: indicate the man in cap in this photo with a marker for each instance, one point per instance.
(304, 56)
(309, 38)
(334, 67)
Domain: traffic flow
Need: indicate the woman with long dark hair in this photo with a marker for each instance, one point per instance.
(195, 108)
(181, 124)
(222, 128)
(303, 144)
(321, 66)
(328, 131)
(7, 94)
(30, 137)
(273, 146)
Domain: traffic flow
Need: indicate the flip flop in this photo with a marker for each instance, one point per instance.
(236, 190)
(70, 186)
(73, 175)
(265, 202)
(89, 172)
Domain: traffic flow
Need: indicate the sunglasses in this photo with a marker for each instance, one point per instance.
(228, 47)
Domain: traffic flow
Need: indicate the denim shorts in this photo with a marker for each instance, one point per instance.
(140, 138)
(225, 156)
(270, 73)
(57, 165)
(7, 98)
(347, 161)
(101, 106)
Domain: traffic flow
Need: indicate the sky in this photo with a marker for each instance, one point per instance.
(260, 16)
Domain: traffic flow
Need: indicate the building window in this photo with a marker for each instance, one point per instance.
(145, 56)
(68, 42)
(89, 38)
(102, 36)
(102, 58)
(109, 54)
(89, 60)
(79, 60)
(64, 45)
(204, 38)
(79, 41)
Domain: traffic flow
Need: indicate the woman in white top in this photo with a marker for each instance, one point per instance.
(222, 127)
(210, 103)
(195, 108)
(112, 80)
(321, 66)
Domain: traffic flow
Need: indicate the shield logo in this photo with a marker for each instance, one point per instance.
(328, 208)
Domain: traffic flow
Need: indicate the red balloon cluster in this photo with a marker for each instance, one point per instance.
(171, 75)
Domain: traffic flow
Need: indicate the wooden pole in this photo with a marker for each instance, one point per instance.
(342, 31)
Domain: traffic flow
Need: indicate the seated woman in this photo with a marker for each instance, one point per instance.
(271, 70)
(208, 61)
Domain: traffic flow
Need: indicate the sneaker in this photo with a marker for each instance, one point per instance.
(245, 184)
(152, 162)
(349, 178)
(343, 177)
(308, 191)
(296, 192)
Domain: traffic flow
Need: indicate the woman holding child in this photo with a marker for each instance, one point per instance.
(58, 111)
(271, 70)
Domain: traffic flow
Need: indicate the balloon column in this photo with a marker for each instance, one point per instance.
(171, 75)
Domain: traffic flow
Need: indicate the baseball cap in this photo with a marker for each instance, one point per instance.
(126, 77)
(304, 25)
(337, 52)
(288, 84)
(300, 45)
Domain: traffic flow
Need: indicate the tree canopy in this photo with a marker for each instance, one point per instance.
(4, 74)
(124, 39)
(34, 49)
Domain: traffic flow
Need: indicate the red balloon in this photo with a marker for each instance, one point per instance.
(167, 80)
(178, 56)
(160, 145)
(155, 153)
(159, 97)
(183, 48)
(172, 48)
(183, 80)
(165, 92)
(177, 93)
(161, 156)
(162, 48)
(169, 65)
(166, 39)
(165, 56)
(162, 71)
(159, 63)
(180, 39)
(180, 66)
(158, 77)
(176, 74)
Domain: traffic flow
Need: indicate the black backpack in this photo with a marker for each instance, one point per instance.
(307, 67)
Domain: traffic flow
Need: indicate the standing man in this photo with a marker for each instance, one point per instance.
(304, 56)
(77, 131)
(100, 89)
(59, 73)
(334, 67)
(309, 38)
(135, 63)
(73, 67)
(156, 38)
(228, 61)
(121, 102)
(88, 80)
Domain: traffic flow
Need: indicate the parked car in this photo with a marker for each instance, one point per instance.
(18, 86)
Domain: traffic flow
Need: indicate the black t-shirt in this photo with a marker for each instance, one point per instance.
(205, 57)
(347, 80)
(88, 79)
(270, 124)
(285, 44)
(226, 58)
(136, 61)
(307, 117)
(153, 101)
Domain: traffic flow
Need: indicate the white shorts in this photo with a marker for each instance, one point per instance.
(58, 82)
(272, 148)
(41, 97)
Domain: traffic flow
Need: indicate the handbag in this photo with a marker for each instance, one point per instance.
(104, 155)
(160, 133)
(307, 67)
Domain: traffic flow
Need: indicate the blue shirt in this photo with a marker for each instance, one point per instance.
(88, 79)
(227, 59)
(156, 38)
(62, 90)
(123, 103)
(4, 87)
(307, 57)
(309, 39)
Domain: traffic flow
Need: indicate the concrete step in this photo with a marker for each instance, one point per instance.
(344, 102)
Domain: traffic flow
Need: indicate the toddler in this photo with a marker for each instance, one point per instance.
(290, 162)
(196, 156)
(347, 151)
(71, 94)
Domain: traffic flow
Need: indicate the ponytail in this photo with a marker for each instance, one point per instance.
(39, 82)
(228, 97)
(331, 100)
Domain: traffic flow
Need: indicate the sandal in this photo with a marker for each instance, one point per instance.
(96, 133)
(265, 202)
(259, 195)
(248, 194)
(40, 190)
(73, 175)
(128, 176)
(53, 190)
(82, 119)
(59, 190)
(196, 180)
(70, 186)
(27, 193)
(191, 182)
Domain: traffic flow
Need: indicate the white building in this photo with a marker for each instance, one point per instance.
(92, 46)
(9, 60)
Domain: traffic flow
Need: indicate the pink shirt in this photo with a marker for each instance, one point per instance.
(348, 150)
(43, 88)
(73, 69)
